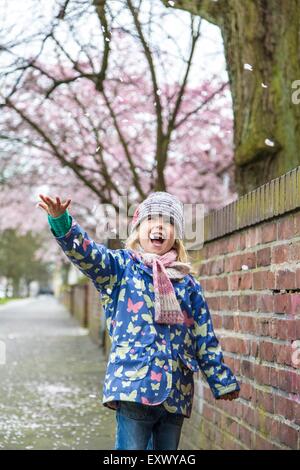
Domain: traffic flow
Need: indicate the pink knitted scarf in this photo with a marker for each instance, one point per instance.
(164, 268)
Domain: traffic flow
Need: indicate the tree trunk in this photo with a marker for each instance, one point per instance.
(266, 35)
(28, 288)
(7, 286)
(16, 287)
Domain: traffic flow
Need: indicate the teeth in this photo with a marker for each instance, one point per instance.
(156, 236)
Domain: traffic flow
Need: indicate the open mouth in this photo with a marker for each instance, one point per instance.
(156, 239)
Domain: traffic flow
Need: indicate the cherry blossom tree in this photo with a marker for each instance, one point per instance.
(105, 122)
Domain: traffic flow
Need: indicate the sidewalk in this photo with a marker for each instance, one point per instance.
(51, 383)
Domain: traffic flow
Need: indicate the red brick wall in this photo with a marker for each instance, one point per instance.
(256, 316)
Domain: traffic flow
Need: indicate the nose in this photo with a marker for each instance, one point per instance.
(158, 226)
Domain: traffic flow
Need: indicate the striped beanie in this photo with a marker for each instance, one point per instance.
(160, 202)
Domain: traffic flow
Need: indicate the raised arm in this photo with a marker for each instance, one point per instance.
(102, 265)
(219, 376)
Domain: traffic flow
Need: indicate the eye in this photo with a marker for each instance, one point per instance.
(168, 220)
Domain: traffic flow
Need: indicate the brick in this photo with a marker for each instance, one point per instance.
(203, 269)
(298, 277)
(263, 326)
(266, 351)
(230, 362)
(247, 303)
(250, 416)
(224, 302)
(234, 302)
(296, 408)
(222, 283)
(280, 254)
(217, 266)
(274, 376)
(265, 401)
(248, 259)
(263, 280)
(254, 348)
(253, 237)
(262, 374)
(284, 407)
(265, 303)
(286, 228)
(227, 265)
(247, 369)
(211, 285)
(235, 242)
(245, 281)
(263, 257)
(297, 223)
(294, 304)
(246, 394)
(288, 436)
(213, 249)
(236, 262)
(284, 329)
(247, 324)
(283, 354)
(287, 381)
(233, 282)
(227, 322)
(263, 444)
(287, 303)
(217, 320)
(246, 436)
(243, 346)
(269, 232)
(214, 303)
(285, 279)
(228, 442)
(208, 413)
(294, 251)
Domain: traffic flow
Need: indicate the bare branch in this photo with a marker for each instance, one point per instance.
(100, 10)
(209, 10)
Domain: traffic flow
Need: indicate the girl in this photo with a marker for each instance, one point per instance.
(157, 317)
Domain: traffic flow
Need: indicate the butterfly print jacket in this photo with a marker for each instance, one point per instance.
(149, 363)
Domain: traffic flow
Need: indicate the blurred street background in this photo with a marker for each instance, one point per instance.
(51, 384)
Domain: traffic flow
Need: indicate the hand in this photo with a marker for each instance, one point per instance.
(230, 396)
(53, 206)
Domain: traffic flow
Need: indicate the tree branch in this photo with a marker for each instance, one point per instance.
(100, 10)
(209, 10)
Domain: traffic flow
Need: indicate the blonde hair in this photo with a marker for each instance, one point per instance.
(132, 243)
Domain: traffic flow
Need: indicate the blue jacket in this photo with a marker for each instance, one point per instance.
(149, 363)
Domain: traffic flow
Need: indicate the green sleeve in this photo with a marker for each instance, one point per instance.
(60, 225)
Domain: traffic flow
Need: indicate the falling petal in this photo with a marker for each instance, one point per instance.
(248, 67)
(269, 142)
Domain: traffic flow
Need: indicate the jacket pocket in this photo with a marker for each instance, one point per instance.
(188, 362)
(131, 362)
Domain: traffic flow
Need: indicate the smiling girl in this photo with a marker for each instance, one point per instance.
(157, 317)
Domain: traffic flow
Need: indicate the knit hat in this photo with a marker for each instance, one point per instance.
(160, 202)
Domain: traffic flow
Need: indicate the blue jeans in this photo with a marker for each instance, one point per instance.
(145, 427)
